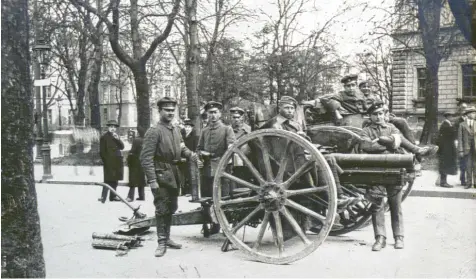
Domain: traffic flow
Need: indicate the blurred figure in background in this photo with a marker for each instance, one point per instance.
(110, 146)
(136, 174)
(447, 150)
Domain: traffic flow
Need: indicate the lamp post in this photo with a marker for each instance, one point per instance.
(41, 50)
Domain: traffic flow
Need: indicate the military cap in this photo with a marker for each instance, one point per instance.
(469, 110)
(363, 82)
(112, 123)
(188, 121)
(213, 104)
(288, 100)
(238, 110)
(167, 101)
(447, 113)
(348, 78)
(376, 107)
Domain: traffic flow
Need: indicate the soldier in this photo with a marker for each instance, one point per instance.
(285, 121)
(345, 105)
(240, 128)
(214, 140)
(110, 151)
(161, 152)
(369, 96)
(382, 137)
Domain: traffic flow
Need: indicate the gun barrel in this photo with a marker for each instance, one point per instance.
(374, 160)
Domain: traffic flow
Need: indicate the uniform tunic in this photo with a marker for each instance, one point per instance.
(350, 107)
(394, 193)
(244, 129)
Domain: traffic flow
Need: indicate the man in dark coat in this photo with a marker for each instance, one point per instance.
(447, 150)
(466, 145)
(162, 150)
(462, 163)
(136, 174)
(190, 138)
(381, 137)
(110, 146)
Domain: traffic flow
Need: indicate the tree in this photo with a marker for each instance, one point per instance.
(22, 249)
(136, 15)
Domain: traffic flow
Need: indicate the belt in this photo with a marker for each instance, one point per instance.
(172, 162)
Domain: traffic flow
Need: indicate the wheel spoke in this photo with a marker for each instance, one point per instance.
(250, 166)
(290, 193)
(283, 163)
(246, 219)
(240, 200)
(240, 181)
(262, 229)
(295, 226)
(305, 210)
(305, 167)
(279, 232)
(266, 159)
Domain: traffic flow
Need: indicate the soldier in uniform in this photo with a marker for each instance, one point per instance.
(161, 152)
(240, 128)
(346, 107)
(214, 140)
(381, 137)
(369, 96)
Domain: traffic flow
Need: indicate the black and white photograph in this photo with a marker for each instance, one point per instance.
(238, 138)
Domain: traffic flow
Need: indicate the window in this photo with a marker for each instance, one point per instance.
(104, 115)
(70, 117)
(168, 67)
(48, 91)
(422, 75)
(469, 80)
(167, 91)
(50, 117)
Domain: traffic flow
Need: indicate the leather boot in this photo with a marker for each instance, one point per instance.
(379, 244)
(399, 242)
(170, 243)
(162, 248)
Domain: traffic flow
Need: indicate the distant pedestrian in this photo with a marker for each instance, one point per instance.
(190, 138)
(466, 148)
(110, 146)
(136, 174)
(447, 153)
(461, 163)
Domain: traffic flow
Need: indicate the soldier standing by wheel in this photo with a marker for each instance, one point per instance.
(161, 152)
(379, 138)
(215, 139)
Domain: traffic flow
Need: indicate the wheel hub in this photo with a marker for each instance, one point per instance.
(272, 197)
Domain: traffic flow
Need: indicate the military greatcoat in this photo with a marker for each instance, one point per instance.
(110, 152)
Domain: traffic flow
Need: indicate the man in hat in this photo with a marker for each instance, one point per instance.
(346, 104)
(381, 137)
(190, 138)
(240, 128)
(447, 153)
(369, 96)
(466, 149)
(162, 150)
(462, 106)
(214, 140)
(285, 121)
(110, 146)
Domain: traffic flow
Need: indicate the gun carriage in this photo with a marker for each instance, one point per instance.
(290, 188)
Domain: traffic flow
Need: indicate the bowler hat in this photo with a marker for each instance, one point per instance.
(469, 110)
(112, 123)
(213, 104)
(238, 110)
(348, 78)
(376, 107)
(167, 101)
(288, 100)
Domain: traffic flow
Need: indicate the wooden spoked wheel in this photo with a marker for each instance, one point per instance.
(276, 202)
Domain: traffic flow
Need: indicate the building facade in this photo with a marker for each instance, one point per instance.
(456, 75)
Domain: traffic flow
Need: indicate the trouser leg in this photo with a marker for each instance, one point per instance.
(130, 195)
(333, 166)
(404, 128)
(469, 169)
(443, 179)
(104, 191)
(113, 185)
(162, 211)
(396, 214)
(378, 218)
(409, 146)
(141, 193)
(207, 186)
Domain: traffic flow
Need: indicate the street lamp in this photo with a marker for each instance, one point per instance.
(41, 50)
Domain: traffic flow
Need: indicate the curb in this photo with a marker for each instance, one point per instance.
(468, 194)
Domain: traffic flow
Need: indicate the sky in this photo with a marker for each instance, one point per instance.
(347, 31)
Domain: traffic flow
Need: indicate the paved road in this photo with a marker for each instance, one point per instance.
(440, 235)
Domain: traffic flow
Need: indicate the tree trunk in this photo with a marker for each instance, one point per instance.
(192, 56)
(429, 22)
(93, 86)
(142, 93)
(22, 249)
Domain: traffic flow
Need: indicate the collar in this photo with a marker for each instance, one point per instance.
(167, 125)
(281, 119)
(374, 125)
(214, 125)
